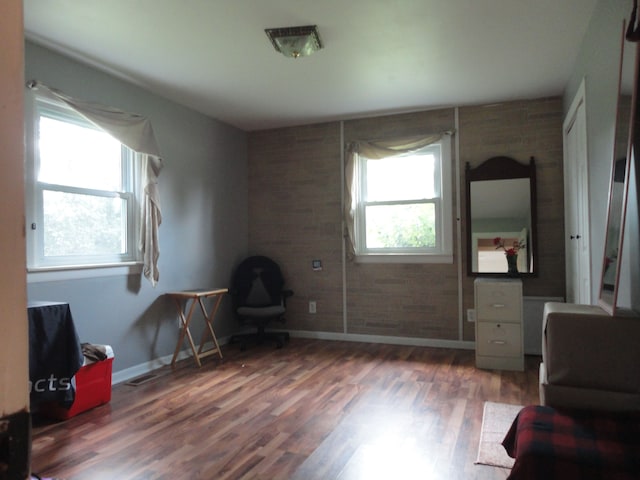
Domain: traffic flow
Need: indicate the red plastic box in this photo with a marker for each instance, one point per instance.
(93, 388)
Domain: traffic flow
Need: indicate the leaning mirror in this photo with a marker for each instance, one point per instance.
(501, 217)
(623, 153)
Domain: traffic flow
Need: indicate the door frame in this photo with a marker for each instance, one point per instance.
(582, 284)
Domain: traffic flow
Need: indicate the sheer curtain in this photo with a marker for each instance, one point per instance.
(135, 132)
(373, 150)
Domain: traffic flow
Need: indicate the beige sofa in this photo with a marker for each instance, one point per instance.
(590, 360)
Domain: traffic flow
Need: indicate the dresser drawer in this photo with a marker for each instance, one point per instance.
(498, 339)
(499, 302)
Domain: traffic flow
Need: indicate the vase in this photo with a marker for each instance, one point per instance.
(512, 265)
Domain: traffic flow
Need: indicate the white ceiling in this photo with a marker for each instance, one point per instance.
(380, 56)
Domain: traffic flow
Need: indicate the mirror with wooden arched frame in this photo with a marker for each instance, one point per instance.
(623, 156)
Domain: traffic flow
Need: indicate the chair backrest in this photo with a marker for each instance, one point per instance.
(257, 282)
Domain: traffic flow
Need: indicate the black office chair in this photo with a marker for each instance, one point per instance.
(258, 298)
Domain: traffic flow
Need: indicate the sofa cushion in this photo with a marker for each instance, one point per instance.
(585, 347)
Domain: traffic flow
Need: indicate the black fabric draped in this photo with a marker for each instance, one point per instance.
(55, 354)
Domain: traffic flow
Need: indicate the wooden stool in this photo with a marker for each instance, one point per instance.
(197, 297)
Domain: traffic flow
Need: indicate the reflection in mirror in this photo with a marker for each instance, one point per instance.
(492, 217)
(624, 132)
(501, 217)
(609, 273)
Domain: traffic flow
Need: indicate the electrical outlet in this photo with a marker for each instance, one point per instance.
(312, 306)
(471, 315)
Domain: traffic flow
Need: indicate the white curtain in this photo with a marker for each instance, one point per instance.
(373, 150)
(135, 132)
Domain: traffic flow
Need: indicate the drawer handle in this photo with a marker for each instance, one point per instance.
(498, 342)
(498, 305)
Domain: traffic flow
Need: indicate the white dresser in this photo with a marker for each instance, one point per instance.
(499, 332)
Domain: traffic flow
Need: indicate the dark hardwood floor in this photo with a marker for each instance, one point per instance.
(312, 410)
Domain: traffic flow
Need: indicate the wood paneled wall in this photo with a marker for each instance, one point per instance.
(522, 130)
(295, 196)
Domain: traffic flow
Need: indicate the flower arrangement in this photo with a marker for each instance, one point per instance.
(511, 251)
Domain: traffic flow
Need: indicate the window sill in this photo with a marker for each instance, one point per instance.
(404, 258)
(76, 272)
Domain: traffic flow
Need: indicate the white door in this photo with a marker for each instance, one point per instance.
(576, 199)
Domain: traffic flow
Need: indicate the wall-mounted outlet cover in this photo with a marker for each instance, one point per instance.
(312, 306)
(471, 315)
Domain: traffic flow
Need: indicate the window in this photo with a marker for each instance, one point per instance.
(403, 205)
(82, 208)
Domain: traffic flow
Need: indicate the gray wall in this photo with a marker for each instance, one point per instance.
(598, 63)
(203, 190)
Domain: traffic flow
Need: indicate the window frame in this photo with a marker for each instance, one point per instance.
(443, 252)
(37, 262)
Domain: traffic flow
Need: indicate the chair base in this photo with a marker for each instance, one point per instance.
(260, 337)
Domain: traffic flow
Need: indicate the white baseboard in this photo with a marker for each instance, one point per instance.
(143, 368)
(410, 341)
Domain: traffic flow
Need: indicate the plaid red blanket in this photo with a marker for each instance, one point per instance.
(550, 444)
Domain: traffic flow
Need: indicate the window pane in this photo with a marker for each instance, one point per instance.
(401, 226)
(401, 178)
(78, 156)
(83, 224)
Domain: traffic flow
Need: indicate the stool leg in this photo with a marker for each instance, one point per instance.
(209, 324)
(185, 331)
